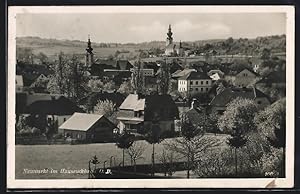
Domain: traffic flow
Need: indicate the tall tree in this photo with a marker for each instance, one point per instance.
(135, 151)
(138, 79)
(124, 141)
(238, 121)
(153, 136)
(108, 109)
(163, 79)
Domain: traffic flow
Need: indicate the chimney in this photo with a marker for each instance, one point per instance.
(193, 104)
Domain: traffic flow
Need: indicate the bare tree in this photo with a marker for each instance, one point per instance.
(167, 158)
(135, 151)
(192, 149)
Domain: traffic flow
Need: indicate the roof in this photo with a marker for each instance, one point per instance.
(56, 106)
(195, 76)
(228, 94)
(180, 73)
(214, 71)
(250, 70)
(133, 102)
(115, 64)
(81, 121)
(194, 115)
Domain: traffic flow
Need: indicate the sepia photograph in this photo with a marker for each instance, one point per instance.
(115, 96)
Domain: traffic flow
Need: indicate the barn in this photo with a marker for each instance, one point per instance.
(92, 128)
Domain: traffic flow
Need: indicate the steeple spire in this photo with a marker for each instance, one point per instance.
(89, 48)
(169, 36)
(89, 56)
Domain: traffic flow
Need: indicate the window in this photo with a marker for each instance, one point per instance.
(191, 82)
(78, 136)
(201, 82)
(196, 82)
(206, 82)
(65, 119)
(201, 89)
(206, 89)
(196, 89)
(135, 114)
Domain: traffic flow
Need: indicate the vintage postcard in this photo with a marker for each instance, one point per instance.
(150, 97)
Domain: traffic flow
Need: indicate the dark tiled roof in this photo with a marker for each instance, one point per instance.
(60, 106)
(250, 71)
(195, 115)
(228, 94)
(194, 76)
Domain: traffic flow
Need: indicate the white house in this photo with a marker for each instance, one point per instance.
(194, 82)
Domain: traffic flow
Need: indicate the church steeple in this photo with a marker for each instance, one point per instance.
(169, 38)
(89, 56)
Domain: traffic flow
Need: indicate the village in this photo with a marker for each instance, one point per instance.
(203, 106)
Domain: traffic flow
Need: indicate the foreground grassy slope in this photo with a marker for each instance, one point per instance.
(74, 157)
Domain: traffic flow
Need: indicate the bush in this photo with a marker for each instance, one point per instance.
(273, 163)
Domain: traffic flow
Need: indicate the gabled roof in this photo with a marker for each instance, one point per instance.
(133, 102)
(81, 121)
(214, 71)
(180, 73)
(228, 94)
(250, 70)
(195, 76)
(59, 106)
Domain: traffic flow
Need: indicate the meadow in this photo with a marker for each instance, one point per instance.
(75, 157)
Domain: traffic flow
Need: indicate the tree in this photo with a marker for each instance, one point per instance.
(238, 121)
(153, 136)
(125, 88)
(109, 86)
(95, 85)
(124, 141)
(167, 158)
(138, 79)
(106, 108)
(163, 79)
(43, 58)
(135, 151)
(271, 122)
(266, 54)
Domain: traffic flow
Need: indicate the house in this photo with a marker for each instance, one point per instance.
(139, 113)
(40, 84)
(221, 100)
(245, 78)
(179, 73)
(194, 114)
(194, 82)
(45, 109)
(89, 128)
(19, 83)
(215, 74)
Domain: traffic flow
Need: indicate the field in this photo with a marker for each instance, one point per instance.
(74, 157)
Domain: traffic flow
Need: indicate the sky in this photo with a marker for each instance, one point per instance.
(136, 27)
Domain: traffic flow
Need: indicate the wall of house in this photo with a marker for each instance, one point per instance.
(182, 85)
(244, 78)
(102, 131)
(199, 86)
(61, 119)
(74, 134)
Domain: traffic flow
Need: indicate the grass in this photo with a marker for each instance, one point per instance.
(73, 157)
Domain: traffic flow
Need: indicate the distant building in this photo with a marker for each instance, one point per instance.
(138, 113)
(89, 128)
(215, 74)
(171, 48)
(245, 78)
(19, 83)
(221, 100)
(194, 82)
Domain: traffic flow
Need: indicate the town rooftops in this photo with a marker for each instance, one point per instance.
(228, 94)
(81, 121)
(133, 102)
(195, 76)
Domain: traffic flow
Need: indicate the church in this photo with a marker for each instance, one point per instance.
(171, 48)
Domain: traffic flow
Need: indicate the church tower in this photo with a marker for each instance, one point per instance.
(89, 56)
(169, 38)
